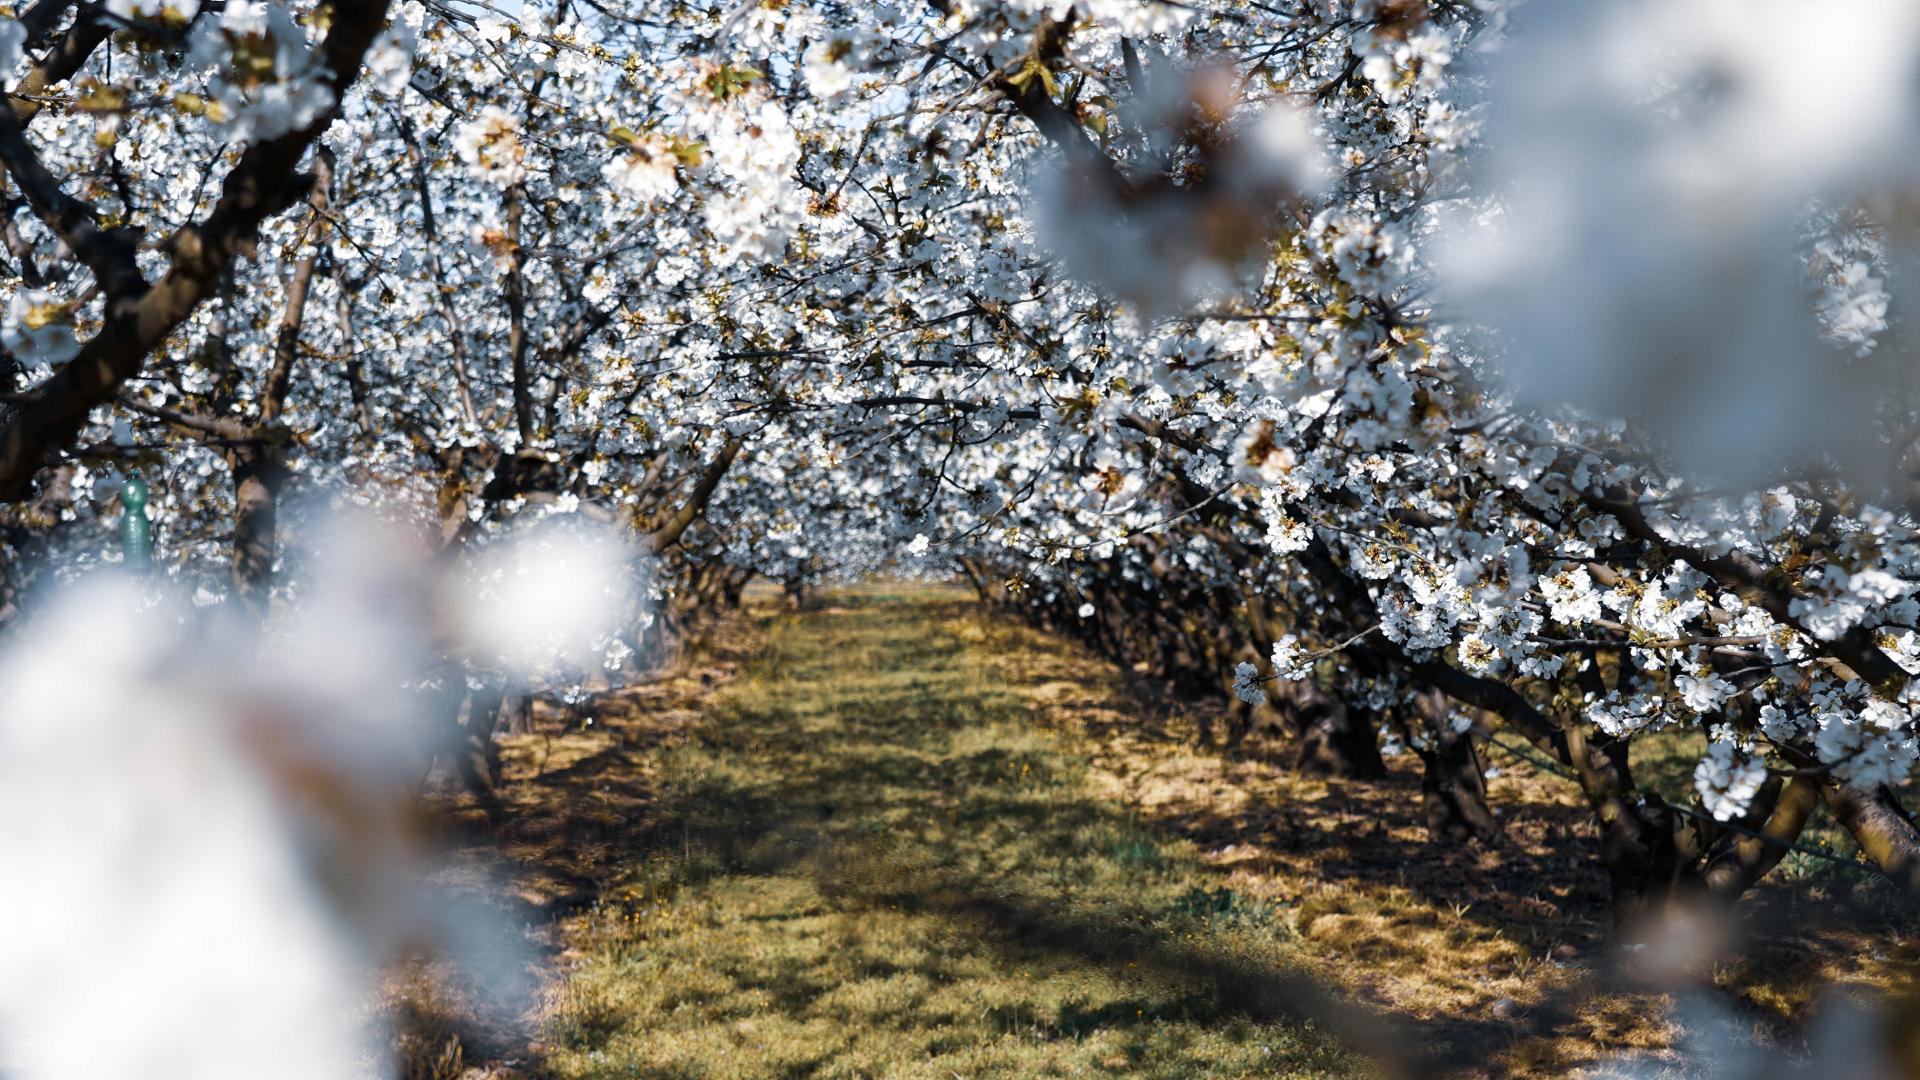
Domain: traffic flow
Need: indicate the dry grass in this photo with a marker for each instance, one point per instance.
(1498, 952)
(581, 802)
(887, 868)
(894, 837)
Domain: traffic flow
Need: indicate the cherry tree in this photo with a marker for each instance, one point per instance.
(1405, 370)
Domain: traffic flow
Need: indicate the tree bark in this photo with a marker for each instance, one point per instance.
(137, 317)
(1882, 828)
(1453, 787)
(259, 465)
(1331, 739)
(258, 476)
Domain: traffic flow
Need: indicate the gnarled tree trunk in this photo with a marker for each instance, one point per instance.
(1453, 787)
(1330, 738)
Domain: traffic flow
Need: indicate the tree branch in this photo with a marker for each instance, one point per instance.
(261, 184)
(669, 533)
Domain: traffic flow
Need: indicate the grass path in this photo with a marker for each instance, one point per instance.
(872, 861)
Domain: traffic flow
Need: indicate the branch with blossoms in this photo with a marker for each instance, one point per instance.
(139, 316)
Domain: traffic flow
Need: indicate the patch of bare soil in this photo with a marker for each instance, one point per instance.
(576, 802)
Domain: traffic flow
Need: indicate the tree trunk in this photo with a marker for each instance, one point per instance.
(519, 713)
(1453, 787)
(1331, 739)
(1882, 828)
(1782, 817)
(258, 477)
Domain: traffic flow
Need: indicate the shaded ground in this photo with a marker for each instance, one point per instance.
(889, 870)
(1497, 955)
(583, 801)
(894, 837)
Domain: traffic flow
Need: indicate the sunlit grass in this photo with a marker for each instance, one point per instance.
(913, 839)
(878, 865)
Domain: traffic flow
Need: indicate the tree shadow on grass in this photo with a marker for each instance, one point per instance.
(867, 768)
(979, 836)
(1542, 891)
(579, 804)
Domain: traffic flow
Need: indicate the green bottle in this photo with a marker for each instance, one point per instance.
(136, 532)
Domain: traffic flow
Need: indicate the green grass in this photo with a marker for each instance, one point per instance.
(875, 863)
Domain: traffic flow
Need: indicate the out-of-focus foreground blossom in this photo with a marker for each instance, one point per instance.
(1202, 186)
(211, 836)
(551, 595)
(161, 918)
(1701, 216)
